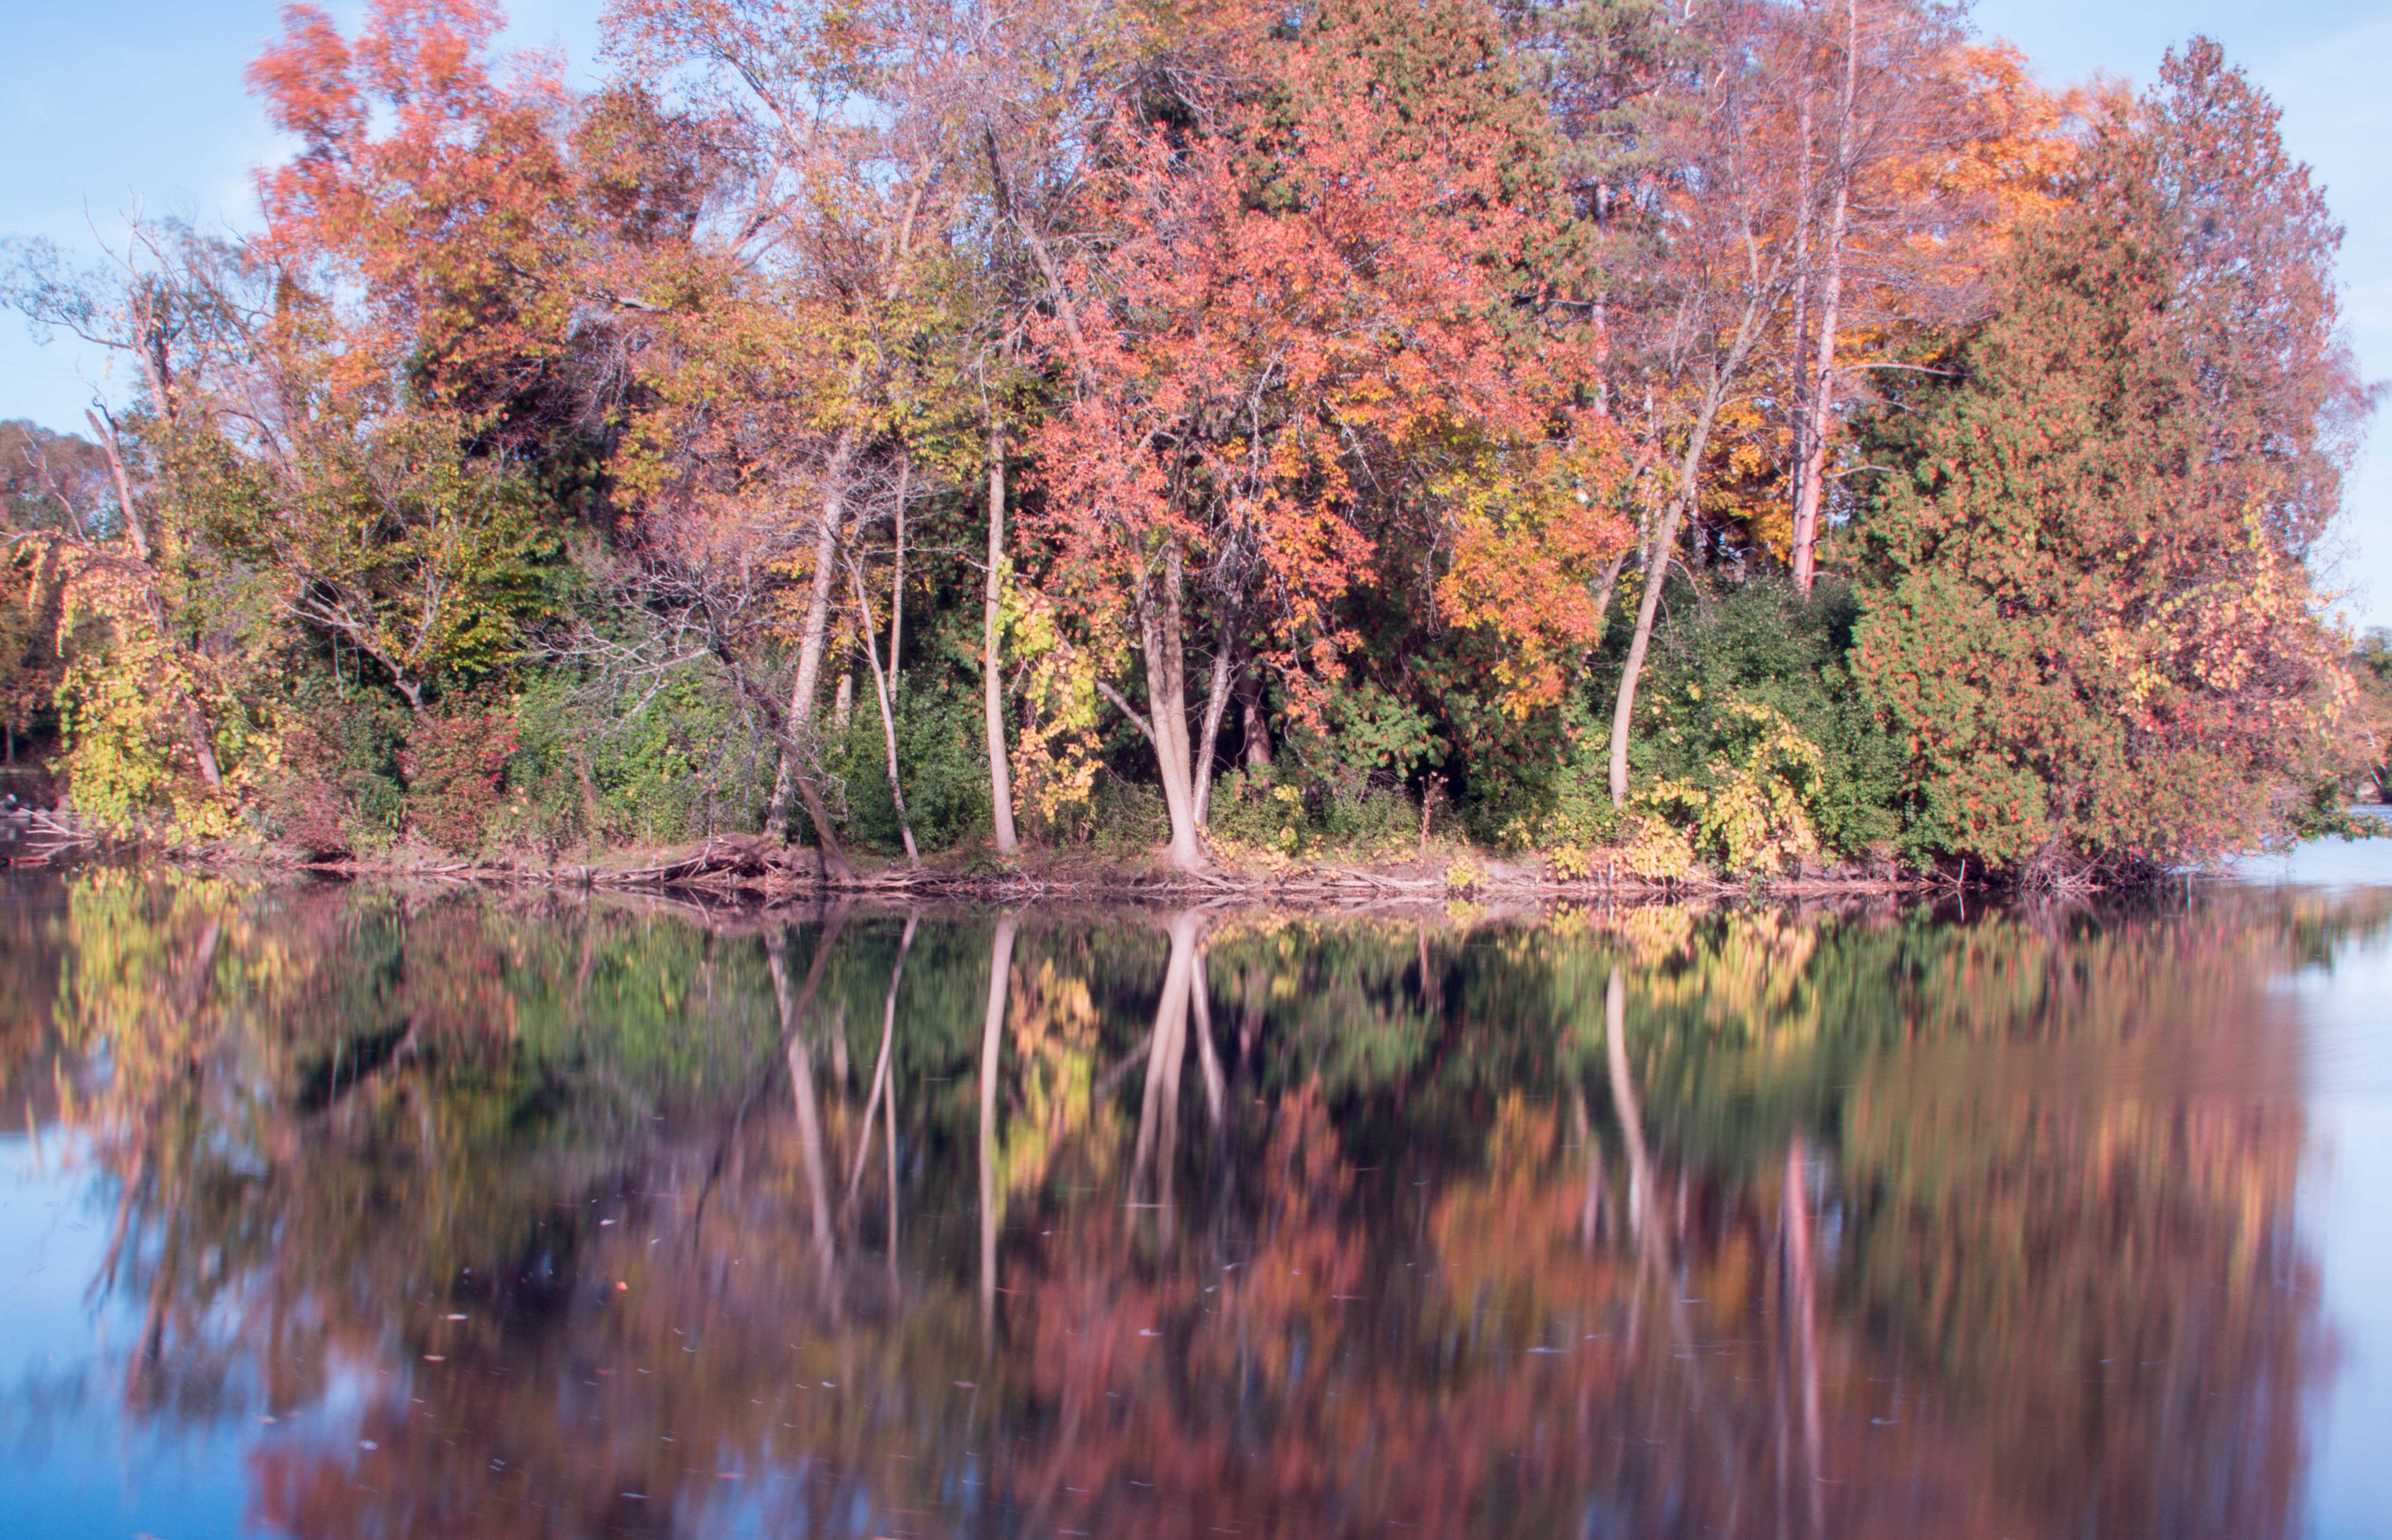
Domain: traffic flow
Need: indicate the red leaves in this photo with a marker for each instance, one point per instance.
(1296, 323)
(435, 186)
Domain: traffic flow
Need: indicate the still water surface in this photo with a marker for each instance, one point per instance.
(344, 1212)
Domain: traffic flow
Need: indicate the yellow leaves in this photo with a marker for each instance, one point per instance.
(1751, 816)
(1053, 1021)
(1534, 528)
(1657, 852)
(1055, 750)
(129, 720)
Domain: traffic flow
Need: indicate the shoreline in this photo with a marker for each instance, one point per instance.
(746, 870)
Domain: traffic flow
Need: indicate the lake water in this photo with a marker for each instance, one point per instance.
(353, 1211)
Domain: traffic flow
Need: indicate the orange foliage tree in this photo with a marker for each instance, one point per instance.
(1300, 315)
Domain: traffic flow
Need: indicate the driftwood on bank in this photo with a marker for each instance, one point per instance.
(37, 836)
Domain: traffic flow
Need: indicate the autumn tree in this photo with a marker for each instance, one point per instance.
(50, 483)
(1715, 198)
(430, 180)
(1918, 153)
(142, 703)
(2090, 614)
(1300, 306)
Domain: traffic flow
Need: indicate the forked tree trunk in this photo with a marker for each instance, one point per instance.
(1156, 1151)
(1216, 706)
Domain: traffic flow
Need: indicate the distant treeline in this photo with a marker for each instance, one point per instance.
(1770, 436)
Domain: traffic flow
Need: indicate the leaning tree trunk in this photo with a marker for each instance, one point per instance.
(1681, 496)
(1623, 709)
(807, 685)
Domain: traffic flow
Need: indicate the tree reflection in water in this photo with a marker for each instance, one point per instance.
(1752, 1223)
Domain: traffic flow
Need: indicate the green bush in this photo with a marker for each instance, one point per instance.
(675, 765)
(1259, 811)
(939, 755)
(336, 785)
(1561, 801)
(1726, 675)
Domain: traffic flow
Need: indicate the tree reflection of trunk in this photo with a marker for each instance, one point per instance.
(883, 1098)
(1799, 1303)
(190, 1001)
(889, 1128)
(880, 1076)
(1250, 1016)
(1158, 1120)
(1632, 1127)
(992, 1044)
(1208, 1061)
(1590, 1216)
(1653, 1247)
(802, 1088)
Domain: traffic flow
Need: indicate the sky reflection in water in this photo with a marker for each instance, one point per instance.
(343, 1211)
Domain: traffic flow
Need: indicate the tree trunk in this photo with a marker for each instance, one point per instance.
(810, 640)
(1216, 704)
(1161, 642)
(1000, 769)
(1252, 721)
(1819, 404)
(1622, 711)
(880, 690)
(1657, 568)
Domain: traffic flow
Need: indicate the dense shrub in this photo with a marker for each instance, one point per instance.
(939, 756)
(336, 785)
(454, 760)
(676, 763)
(1750, 697)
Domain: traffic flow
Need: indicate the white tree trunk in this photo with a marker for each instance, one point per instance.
(1000, 769)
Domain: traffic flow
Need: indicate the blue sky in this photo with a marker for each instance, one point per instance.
(108, 103)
